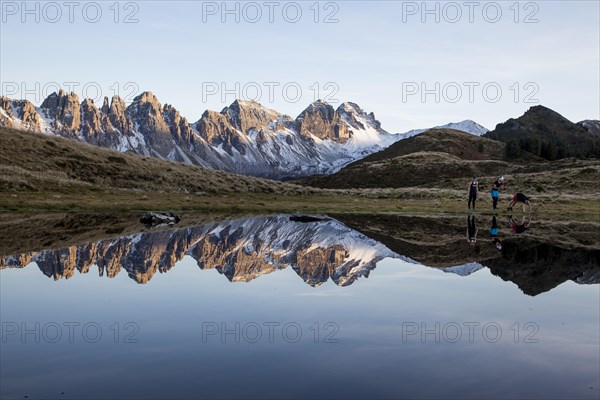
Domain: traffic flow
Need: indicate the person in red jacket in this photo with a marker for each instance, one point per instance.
(520, 198)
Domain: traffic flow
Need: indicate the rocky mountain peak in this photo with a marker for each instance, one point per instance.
(105, 106)
(64, 110)
(146, 113)
(180, 128)
(146, 97)
(88, 102)
(349, 107)
(321, 120)
(146, 109)
(240, 104)
(91, 123)
(117, 117)
(249, 115)
(354, 116)
(321, 107)
(19, 114)
(216, 129)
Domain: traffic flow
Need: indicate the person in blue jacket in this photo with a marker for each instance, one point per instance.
(499, 184)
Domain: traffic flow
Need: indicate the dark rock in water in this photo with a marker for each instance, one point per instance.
(307, 218)
(153, 219)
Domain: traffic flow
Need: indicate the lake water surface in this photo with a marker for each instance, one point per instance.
(267, 307)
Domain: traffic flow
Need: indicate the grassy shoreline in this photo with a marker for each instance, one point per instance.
(442, 202)
(40, 173)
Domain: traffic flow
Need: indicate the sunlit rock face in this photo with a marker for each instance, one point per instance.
(245, 137)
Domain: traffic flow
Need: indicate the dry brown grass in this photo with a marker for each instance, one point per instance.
(32, 162)
(49, 173)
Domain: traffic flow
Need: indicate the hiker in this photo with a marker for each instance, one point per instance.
(520, 198)
(516, 228)
(499, 184)
(495, 234)
(473, 189)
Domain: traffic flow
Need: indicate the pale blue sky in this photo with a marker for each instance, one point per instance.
(370, 54)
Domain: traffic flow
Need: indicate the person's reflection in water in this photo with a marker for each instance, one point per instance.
(472, 233)
(519, 228)
(495, 234)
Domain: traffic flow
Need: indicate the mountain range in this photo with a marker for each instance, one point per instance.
(244, 137)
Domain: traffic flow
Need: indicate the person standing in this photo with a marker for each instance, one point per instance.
(473, 190)
(499, 184)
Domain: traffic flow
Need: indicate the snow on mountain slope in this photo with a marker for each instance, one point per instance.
(592, 125)
(244, 137)
(467, 126)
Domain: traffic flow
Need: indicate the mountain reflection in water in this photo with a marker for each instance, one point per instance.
(341, 249)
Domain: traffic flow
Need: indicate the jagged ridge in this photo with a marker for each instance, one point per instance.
(244, 137)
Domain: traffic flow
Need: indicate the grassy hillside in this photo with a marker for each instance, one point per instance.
(449, 141)
(39, 172)
(422, 169)
(426, 160)
(32, 162)
(48, 173)
(563, 187)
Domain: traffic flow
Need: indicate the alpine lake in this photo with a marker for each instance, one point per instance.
(279, 306)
